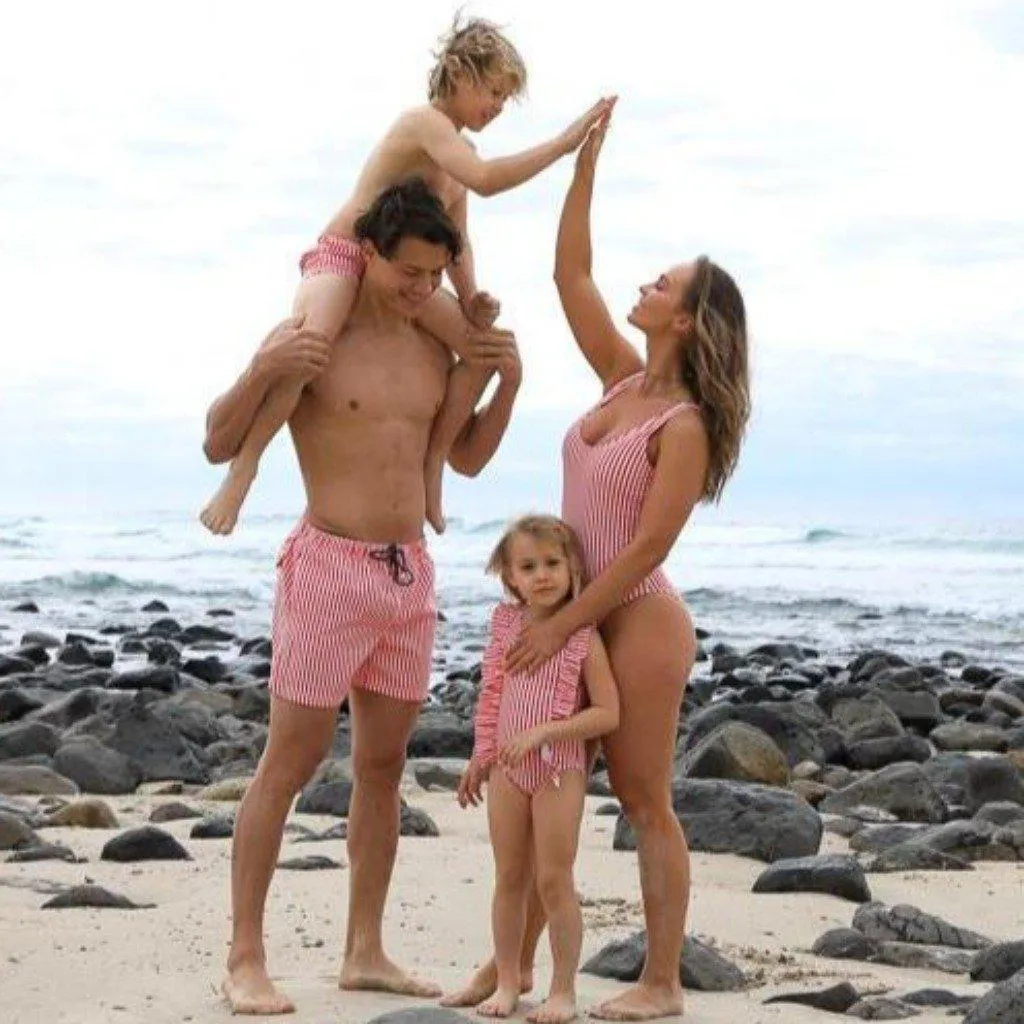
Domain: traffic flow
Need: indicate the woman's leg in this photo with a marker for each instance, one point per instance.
(557, 814)
(508, 815)
(323, 304)
(651, 645)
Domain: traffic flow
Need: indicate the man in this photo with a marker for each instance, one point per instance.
(354, 614)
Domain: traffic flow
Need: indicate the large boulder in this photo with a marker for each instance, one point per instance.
(97, 768)
(739, 752)
(792, 726)
(769, 824)
(902, 789)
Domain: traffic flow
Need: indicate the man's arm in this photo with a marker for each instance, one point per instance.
(286, 351)
(476, 444)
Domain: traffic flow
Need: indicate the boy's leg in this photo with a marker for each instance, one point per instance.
(323, 304)
(557, 814)
(381, 727)
(444, 319)
(508, 816)
(297, 742)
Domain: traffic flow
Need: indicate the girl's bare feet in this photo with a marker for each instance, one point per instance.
(558, 1009)
(502, 1004)
(483, 985)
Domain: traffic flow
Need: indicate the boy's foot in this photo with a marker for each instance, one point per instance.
(483, 984)
(221, 513)
(384, 976)
(554, 1010)
(641, 1003)
(248, 990)
(433, 473)
(502, 1004)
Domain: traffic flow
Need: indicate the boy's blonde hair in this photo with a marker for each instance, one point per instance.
(550, 529)
(478, 49)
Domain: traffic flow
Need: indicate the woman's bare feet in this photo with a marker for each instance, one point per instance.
(483, 985)
(433, 472)
(556, 1009)
(221, 513)
(502, 1004)
(641, 1002)
(249, 990)
(384, 976)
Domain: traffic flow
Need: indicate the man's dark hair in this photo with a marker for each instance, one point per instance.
(408, 209)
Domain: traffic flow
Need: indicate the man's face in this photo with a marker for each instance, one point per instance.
(410, 276)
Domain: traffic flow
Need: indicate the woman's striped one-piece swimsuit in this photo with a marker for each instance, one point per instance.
(603, 490)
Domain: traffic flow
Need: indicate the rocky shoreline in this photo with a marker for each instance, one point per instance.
(915, 767)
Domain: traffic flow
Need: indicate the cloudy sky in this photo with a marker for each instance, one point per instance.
(857, 167)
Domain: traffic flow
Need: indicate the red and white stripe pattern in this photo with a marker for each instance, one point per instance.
(604, 486)
(511, 704)
(342, 620)
(333, 254)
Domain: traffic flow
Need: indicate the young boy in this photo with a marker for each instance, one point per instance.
(477, 70)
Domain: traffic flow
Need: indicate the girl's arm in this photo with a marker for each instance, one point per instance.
(609, 354)
(677, 487)
(455, 156)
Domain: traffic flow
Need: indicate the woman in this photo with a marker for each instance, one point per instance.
(665, 436)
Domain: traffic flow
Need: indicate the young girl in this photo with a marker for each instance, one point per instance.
(477, 70)
(529, 745)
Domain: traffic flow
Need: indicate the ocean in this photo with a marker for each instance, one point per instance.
(915, 590)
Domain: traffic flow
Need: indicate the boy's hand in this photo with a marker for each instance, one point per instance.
(482, 310)
(519, 746)
(573, 136)
(586, 158)
(470, 791)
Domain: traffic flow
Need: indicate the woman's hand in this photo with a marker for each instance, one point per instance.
(470, 791)
(520, 745)
(536, 643)
(586, 158)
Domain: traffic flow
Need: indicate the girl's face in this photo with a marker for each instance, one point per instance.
(538, 571)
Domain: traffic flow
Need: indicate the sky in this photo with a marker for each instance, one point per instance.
(856, 167)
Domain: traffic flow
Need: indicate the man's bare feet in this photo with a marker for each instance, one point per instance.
(641, 1002)
(384, 976)
(502, 1004)
(433, 472)
(483, 985)
(248, 990)
(221, 513)
(558, 1009)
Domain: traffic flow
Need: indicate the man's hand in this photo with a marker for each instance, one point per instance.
(573, 136)
(490, 348)
(470, 791)
(510, 367)
(482, 310)
(291, 351)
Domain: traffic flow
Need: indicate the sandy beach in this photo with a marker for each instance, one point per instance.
(82, 966)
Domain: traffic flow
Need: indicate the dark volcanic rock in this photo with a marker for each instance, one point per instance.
(833, 874)
(328, 792)
(156, 677)
(739, 752)
(729, 817)
(145, 843)
(836, 999)
(999, 962)
(904, 923)
(96, 768)
(701, 967)
(93, 896)
(902, 789)
(1003, 1004)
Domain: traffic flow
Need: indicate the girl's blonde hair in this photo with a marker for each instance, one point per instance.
(550, 529)
(479, 50)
